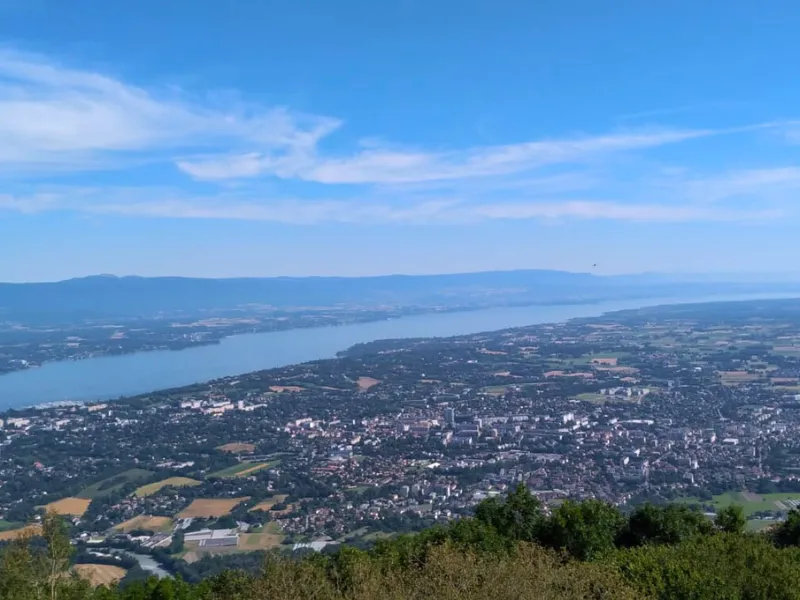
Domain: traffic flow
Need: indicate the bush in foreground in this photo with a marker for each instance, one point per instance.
(511, 549)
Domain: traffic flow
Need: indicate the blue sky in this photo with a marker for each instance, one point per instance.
(211, 138)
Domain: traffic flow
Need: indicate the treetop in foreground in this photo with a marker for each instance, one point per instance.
(511, 549)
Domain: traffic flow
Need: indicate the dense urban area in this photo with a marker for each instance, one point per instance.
(690, 404)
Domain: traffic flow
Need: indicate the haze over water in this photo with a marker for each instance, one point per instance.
(110, 377)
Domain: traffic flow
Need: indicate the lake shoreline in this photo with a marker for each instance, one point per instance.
(412, 313)
(111, 378)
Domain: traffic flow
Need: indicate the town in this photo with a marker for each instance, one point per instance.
(29, 345)
(698, 404)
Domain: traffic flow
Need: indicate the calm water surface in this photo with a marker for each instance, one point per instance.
(146, 562)
(114, 376)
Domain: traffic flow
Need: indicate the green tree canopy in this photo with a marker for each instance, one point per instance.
(584, 529)
(518, 516)
(667, 524)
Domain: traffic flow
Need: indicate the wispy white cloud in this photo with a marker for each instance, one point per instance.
(764, 184)
(536, 184)
(157, 203)
(605, 210)
(674, 110)
(54, 116)
(376, 166)
(30, 204)
(432, 212)
(792, 133)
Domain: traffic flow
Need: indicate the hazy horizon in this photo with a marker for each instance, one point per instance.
(689, 276)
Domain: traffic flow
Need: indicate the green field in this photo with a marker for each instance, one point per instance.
(594, 397)
(367, 535)
(112, 484)
(359, 489)
(496, 390)
(793, 351)
(270, 536)
(378, 535)
(9, 525)
(243, 469)
(765, 502)
(760, 524)
(271, 527)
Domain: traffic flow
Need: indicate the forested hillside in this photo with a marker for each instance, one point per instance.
(512, 548)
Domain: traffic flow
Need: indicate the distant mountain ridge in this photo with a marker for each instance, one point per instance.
(105, 296)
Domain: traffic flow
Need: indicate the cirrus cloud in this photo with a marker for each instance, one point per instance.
(172, 204)
(56, 119)
(375, 166)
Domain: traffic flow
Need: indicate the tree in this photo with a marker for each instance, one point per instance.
(670, 524)
(584, 529)
(518, 517)
(37, 569)
(226, 522)
(56, 558)
(17, 575)
(731, 519)
(788, 533)
(712, 567)
(177, 542)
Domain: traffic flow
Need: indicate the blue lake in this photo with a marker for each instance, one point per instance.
(114, 376)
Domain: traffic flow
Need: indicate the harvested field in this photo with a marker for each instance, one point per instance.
(237, 448)
(364, 383)
(565, 374)
(160, 524)
(736, 377)
(100, 574)
(13, 534)
(211, 507)
(252, 469)
(152, 488)
(794, 389)
(73, 507)
(269, 503)
(242, 469)
(285, 388)
(618, 369)
(495, 390)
